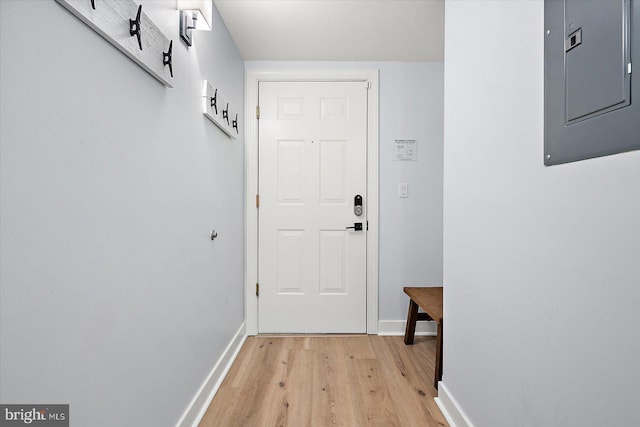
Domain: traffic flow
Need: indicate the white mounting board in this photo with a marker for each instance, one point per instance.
(110, 19)
(218, 117)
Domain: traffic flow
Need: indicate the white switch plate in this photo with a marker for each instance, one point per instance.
(403, 190)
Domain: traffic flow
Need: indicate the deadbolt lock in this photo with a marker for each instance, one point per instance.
(357, 205)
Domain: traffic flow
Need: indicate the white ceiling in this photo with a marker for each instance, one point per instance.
(336, 30)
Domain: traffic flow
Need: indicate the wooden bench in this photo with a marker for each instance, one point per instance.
(429, 300)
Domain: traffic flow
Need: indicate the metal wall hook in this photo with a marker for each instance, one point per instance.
(167, 57)
(235, 123)
(214, 101)
(225, 114)
(214, 234)
(134, 26)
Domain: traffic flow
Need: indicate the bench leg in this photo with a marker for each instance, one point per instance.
(412, 317)
(437, 376)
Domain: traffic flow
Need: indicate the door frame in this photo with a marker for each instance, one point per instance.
(252, 78)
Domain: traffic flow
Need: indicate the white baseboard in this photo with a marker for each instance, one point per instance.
(397, 327)
(450, 408)
(201, 401)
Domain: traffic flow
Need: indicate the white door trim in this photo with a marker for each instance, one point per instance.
(253, 77)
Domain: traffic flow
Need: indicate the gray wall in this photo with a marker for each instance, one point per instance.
(113, 297)
(411, 107)
(541, 264)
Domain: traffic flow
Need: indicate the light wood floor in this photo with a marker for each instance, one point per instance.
(329, 380)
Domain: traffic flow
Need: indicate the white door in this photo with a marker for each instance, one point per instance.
(312, 165)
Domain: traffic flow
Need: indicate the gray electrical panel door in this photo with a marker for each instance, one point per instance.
(596, 80)
(588, 79)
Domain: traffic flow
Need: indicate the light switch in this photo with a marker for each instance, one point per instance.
(403, 190)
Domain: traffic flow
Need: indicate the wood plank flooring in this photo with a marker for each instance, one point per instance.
(360, 380)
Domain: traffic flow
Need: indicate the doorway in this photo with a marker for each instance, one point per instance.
(285, 293)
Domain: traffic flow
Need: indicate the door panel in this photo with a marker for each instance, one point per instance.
(333, 165)
(312, 163)
(333, 248)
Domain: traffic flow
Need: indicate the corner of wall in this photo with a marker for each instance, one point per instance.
(203, 398)
(450, 408)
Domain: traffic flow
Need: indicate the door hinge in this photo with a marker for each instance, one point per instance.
(257, 289)
(257, 112)
(257, 201)
(629, 68)
(367, 225)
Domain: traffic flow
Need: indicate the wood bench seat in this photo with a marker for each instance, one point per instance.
(429, 300)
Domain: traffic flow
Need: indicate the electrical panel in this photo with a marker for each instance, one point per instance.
(589, 86)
